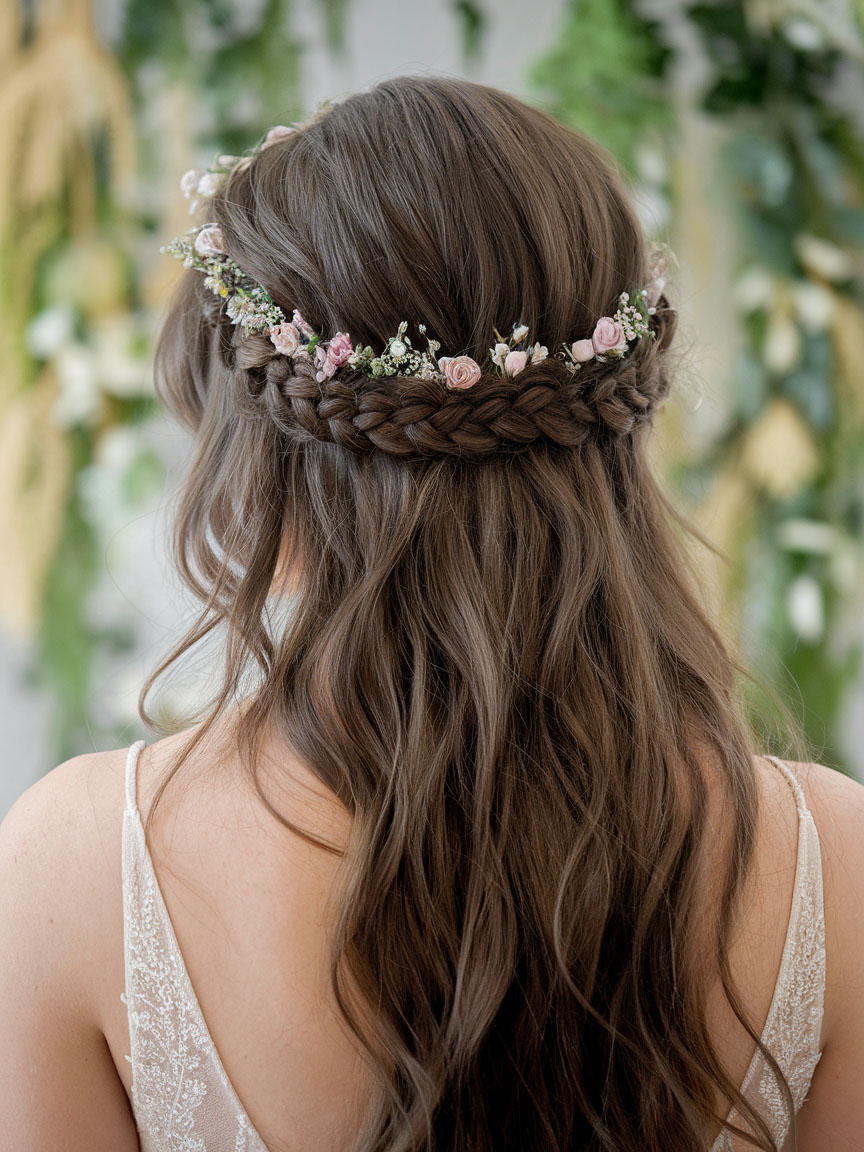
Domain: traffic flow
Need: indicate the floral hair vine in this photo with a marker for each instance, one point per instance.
(251, 306)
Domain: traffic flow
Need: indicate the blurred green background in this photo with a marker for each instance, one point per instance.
(740, 127)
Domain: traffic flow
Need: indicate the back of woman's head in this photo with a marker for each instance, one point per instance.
(493, 655)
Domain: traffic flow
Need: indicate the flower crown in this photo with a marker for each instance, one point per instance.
(252, 307)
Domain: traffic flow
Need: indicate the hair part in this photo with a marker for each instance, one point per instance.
(495, 658)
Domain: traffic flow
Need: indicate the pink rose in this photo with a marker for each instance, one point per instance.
(583, 350)
(339, 348)
(209, 241)
(514, 362)
(280, 132)
(286, 339)
(461, 371)
(608, 335)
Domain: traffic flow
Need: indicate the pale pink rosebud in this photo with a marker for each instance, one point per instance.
(608, 336)
(514, 362)
(583, 350)
(276, 134)
(209, 241)
(286, 339)
(461, 371)
(323, 363)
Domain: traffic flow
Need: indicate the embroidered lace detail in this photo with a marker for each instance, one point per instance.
(793, 1027)
(182, 1098)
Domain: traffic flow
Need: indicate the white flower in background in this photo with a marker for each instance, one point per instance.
(814, 305)
(821, 257)
(805, 605)
(782, 348)
(651, 163)
(122, 367)
(48, 331)
(116, 448)
(813, 536)
(803, 34)
(753, 291)
(80, 399)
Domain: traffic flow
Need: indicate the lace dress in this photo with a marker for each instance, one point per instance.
(183, 1100)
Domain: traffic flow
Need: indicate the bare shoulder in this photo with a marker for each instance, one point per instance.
(59, 866)
(67, 802)
(836, 802)
(832, 1117)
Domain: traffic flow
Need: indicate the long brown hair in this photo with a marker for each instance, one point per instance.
(494, 655)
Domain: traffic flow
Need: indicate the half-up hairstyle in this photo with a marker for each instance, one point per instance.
(494, 656)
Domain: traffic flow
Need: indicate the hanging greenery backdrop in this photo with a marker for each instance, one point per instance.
(89, 191)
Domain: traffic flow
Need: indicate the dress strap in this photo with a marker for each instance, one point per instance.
(800, 801)
(131, 766)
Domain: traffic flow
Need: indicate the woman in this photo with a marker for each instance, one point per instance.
(472, 849)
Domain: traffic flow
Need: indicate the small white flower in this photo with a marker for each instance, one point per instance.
(189, 182)
(539, 352)
(499, 354)
(519, 333)
(210, 183)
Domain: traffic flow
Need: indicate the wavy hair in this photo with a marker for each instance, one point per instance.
(495, 655)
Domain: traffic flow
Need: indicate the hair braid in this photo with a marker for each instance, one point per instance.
(405, 416)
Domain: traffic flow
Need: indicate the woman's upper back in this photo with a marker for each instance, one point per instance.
(247, 902)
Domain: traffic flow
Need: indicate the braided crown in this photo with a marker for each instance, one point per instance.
(409, 416)
(406, 400)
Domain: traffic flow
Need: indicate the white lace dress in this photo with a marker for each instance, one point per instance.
(183, 1100)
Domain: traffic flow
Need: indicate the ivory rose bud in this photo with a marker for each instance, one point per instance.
(286, 339)
(608, 336)
(583, 350)
(514, 362)
(498, 354)
(461, 371)
(279, 132)
(209, 241)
